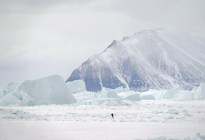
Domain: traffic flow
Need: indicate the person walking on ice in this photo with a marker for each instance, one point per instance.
(112, 115)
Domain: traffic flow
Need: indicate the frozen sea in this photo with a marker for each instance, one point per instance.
(91, 120)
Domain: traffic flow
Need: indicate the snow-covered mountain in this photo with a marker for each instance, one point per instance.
(149, 59)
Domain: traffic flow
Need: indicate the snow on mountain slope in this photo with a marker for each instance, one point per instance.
(150, 59)
(48, 90)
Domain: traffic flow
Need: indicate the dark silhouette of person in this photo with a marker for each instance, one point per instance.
(112, 115)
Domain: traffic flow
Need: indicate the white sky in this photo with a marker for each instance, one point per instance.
(44, 37)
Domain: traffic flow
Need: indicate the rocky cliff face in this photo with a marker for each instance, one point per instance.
(150, 59)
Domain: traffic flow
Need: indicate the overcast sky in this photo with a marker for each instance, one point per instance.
(43, 37)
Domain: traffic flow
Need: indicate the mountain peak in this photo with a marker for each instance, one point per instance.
(114, 43)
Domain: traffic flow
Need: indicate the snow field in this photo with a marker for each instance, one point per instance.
(124, 111)
(38, 130)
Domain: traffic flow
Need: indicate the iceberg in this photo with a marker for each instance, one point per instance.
(200, 92)
(44, 91)
(134, 97)
(76, 86)
(147, 97)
